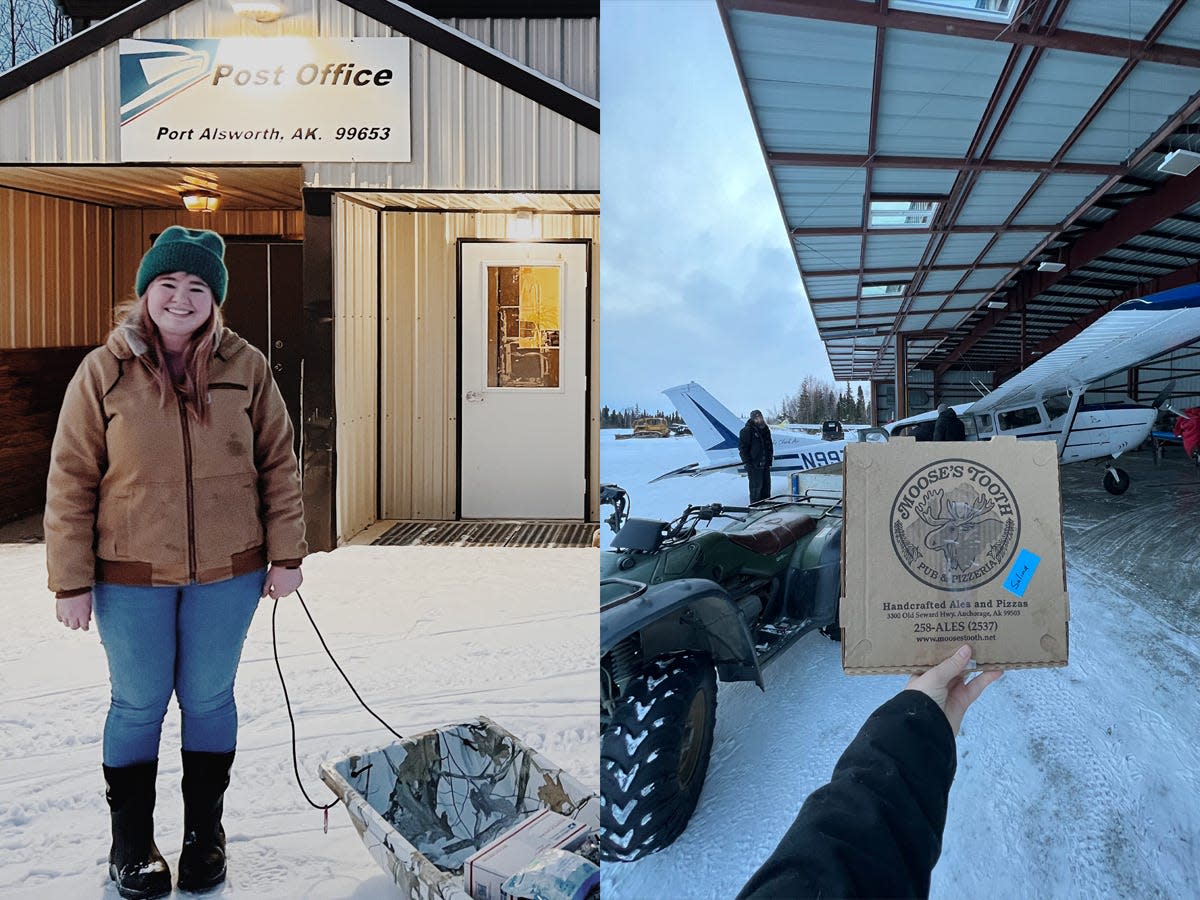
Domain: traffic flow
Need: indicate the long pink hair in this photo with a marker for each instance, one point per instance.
(197, 356)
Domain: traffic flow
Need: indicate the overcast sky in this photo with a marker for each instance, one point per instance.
(698, 280)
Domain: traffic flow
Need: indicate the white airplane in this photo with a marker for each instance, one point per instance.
(717, 429)
(1045, 401)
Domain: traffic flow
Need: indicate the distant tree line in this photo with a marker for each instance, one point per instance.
(818, 400)
(624, 418)
(27, 27)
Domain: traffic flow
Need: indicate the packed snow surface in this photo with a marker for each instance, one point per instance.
(428, 636)
(1073, 782)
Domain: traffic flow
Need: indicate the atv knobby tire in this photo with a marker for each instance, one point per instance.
(654, 756)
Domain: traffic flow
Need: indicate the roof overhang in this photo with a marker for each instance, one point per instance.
(402, 17)
(994, 147)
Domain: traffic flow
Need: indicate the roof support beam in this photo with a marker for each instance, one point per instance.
(1135, 219)
(900, 271)
(1178, 278)
(884, 161)
(872, 135)
(961, 26)
(856, 231)
(1135, 57)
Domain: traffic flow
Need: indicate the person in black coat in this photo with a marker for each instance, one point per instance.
(923, 431)
(949, 426)
(876, 829)
(758, 452)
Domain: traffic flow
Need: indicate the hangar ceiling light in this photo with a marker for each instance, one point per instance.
(1180, 162)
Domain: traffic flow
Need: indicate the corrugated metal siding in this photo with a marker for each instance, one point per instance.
(1129, 20)
(1184, 30)
(1064, 88)
(134, 228)
(935, 92)
(462, 137)
(419, 365)
(840, 286)
(896, 250)
(995, 194)
(1151, 94)
(810, 81)
(816, 197)
(356, 363)
(913, 181)
(55, 271)
(942, 281)
(567, 50)
(836, 252)
(962, 248)
(1012, 247)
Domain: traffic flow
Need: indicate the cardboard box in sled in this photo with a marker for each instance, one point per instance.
(424, 805)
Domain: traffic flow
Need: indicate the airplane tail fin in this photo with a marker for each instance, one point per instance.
(712, 424)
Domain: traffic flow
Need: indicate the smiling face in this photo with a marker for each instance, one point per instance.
(178, 304)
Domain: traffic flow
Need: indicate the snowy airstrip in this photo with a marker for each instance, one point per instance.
(1074, 782)
(427, 635)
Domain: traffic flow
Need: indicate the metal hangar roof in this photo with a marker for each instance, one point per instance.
(975, 180)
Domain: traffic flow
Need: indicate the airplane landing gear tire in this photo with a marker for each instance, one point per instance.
(1116, 481)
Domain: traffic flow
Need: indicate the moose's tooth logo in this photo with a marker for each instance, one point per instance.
(955, 524)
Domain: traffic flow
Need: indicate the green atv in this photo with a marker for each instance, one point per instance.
(680, 606)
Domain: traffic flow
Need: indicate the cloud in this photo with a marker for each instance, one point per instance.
(699, 279)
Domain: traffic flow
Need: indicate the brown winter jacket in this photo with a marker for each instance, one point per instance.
(142, 494)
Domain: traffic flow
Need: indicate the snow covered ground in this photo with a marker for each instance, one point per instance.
(1073, 782)
(427, 635)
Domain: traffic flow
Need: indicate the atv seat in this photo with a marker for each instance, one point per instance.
(771, 534)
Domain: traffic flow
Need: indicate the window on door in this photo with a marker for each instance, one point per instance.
(524, 318)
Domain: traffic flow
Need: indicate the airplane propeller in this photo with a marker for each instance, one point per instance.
(1162, 401)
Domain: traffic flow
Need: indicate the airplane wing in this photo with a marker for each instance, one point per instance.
(697, 469)
(1130, 334)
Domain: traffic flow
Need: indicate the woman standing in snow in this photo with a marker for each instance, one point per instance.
(172, 485)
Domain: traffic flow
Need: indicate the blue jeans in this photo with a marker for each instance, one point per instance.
(187, 640)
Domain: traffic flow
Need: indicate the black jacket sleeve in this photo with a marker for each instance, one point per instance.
(744, 444)
(769, 444)
(876, 829)
(939, 428)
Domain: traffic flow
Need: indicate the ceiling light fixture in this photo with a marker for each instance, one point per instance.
(1049, 266)
(202, 201)
(523, 225)
(262, 11)
(996, 304)
(1180, 162)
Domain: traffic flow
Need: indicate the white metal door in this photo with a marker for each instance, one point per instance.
(523, 377)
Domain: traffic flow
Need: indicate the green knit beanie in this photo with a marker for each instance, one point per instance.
(196, 251)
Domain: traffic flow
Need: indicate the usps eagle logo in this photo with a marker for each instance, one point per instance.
(153, 71)
(955, 524)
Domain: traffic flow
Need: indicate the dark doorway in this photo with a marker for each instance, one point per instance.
(265, 307)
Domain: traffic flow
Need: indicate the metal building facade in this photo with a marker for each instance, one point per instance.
(55, 271)
(418, 370)
(482, 120)
(356, 363)
(468, 131)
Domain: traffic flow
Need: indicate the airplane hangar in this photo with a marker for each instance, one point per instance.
(968, 184)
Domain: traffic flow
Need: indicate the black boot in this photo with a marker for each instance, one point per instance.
(134, 863)
(205, 777)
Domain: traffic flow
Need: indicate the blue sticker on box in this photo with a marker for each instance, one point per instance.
(1021, 572)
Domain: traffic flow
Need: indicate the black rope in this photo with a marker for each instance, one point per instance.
(288, 703)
